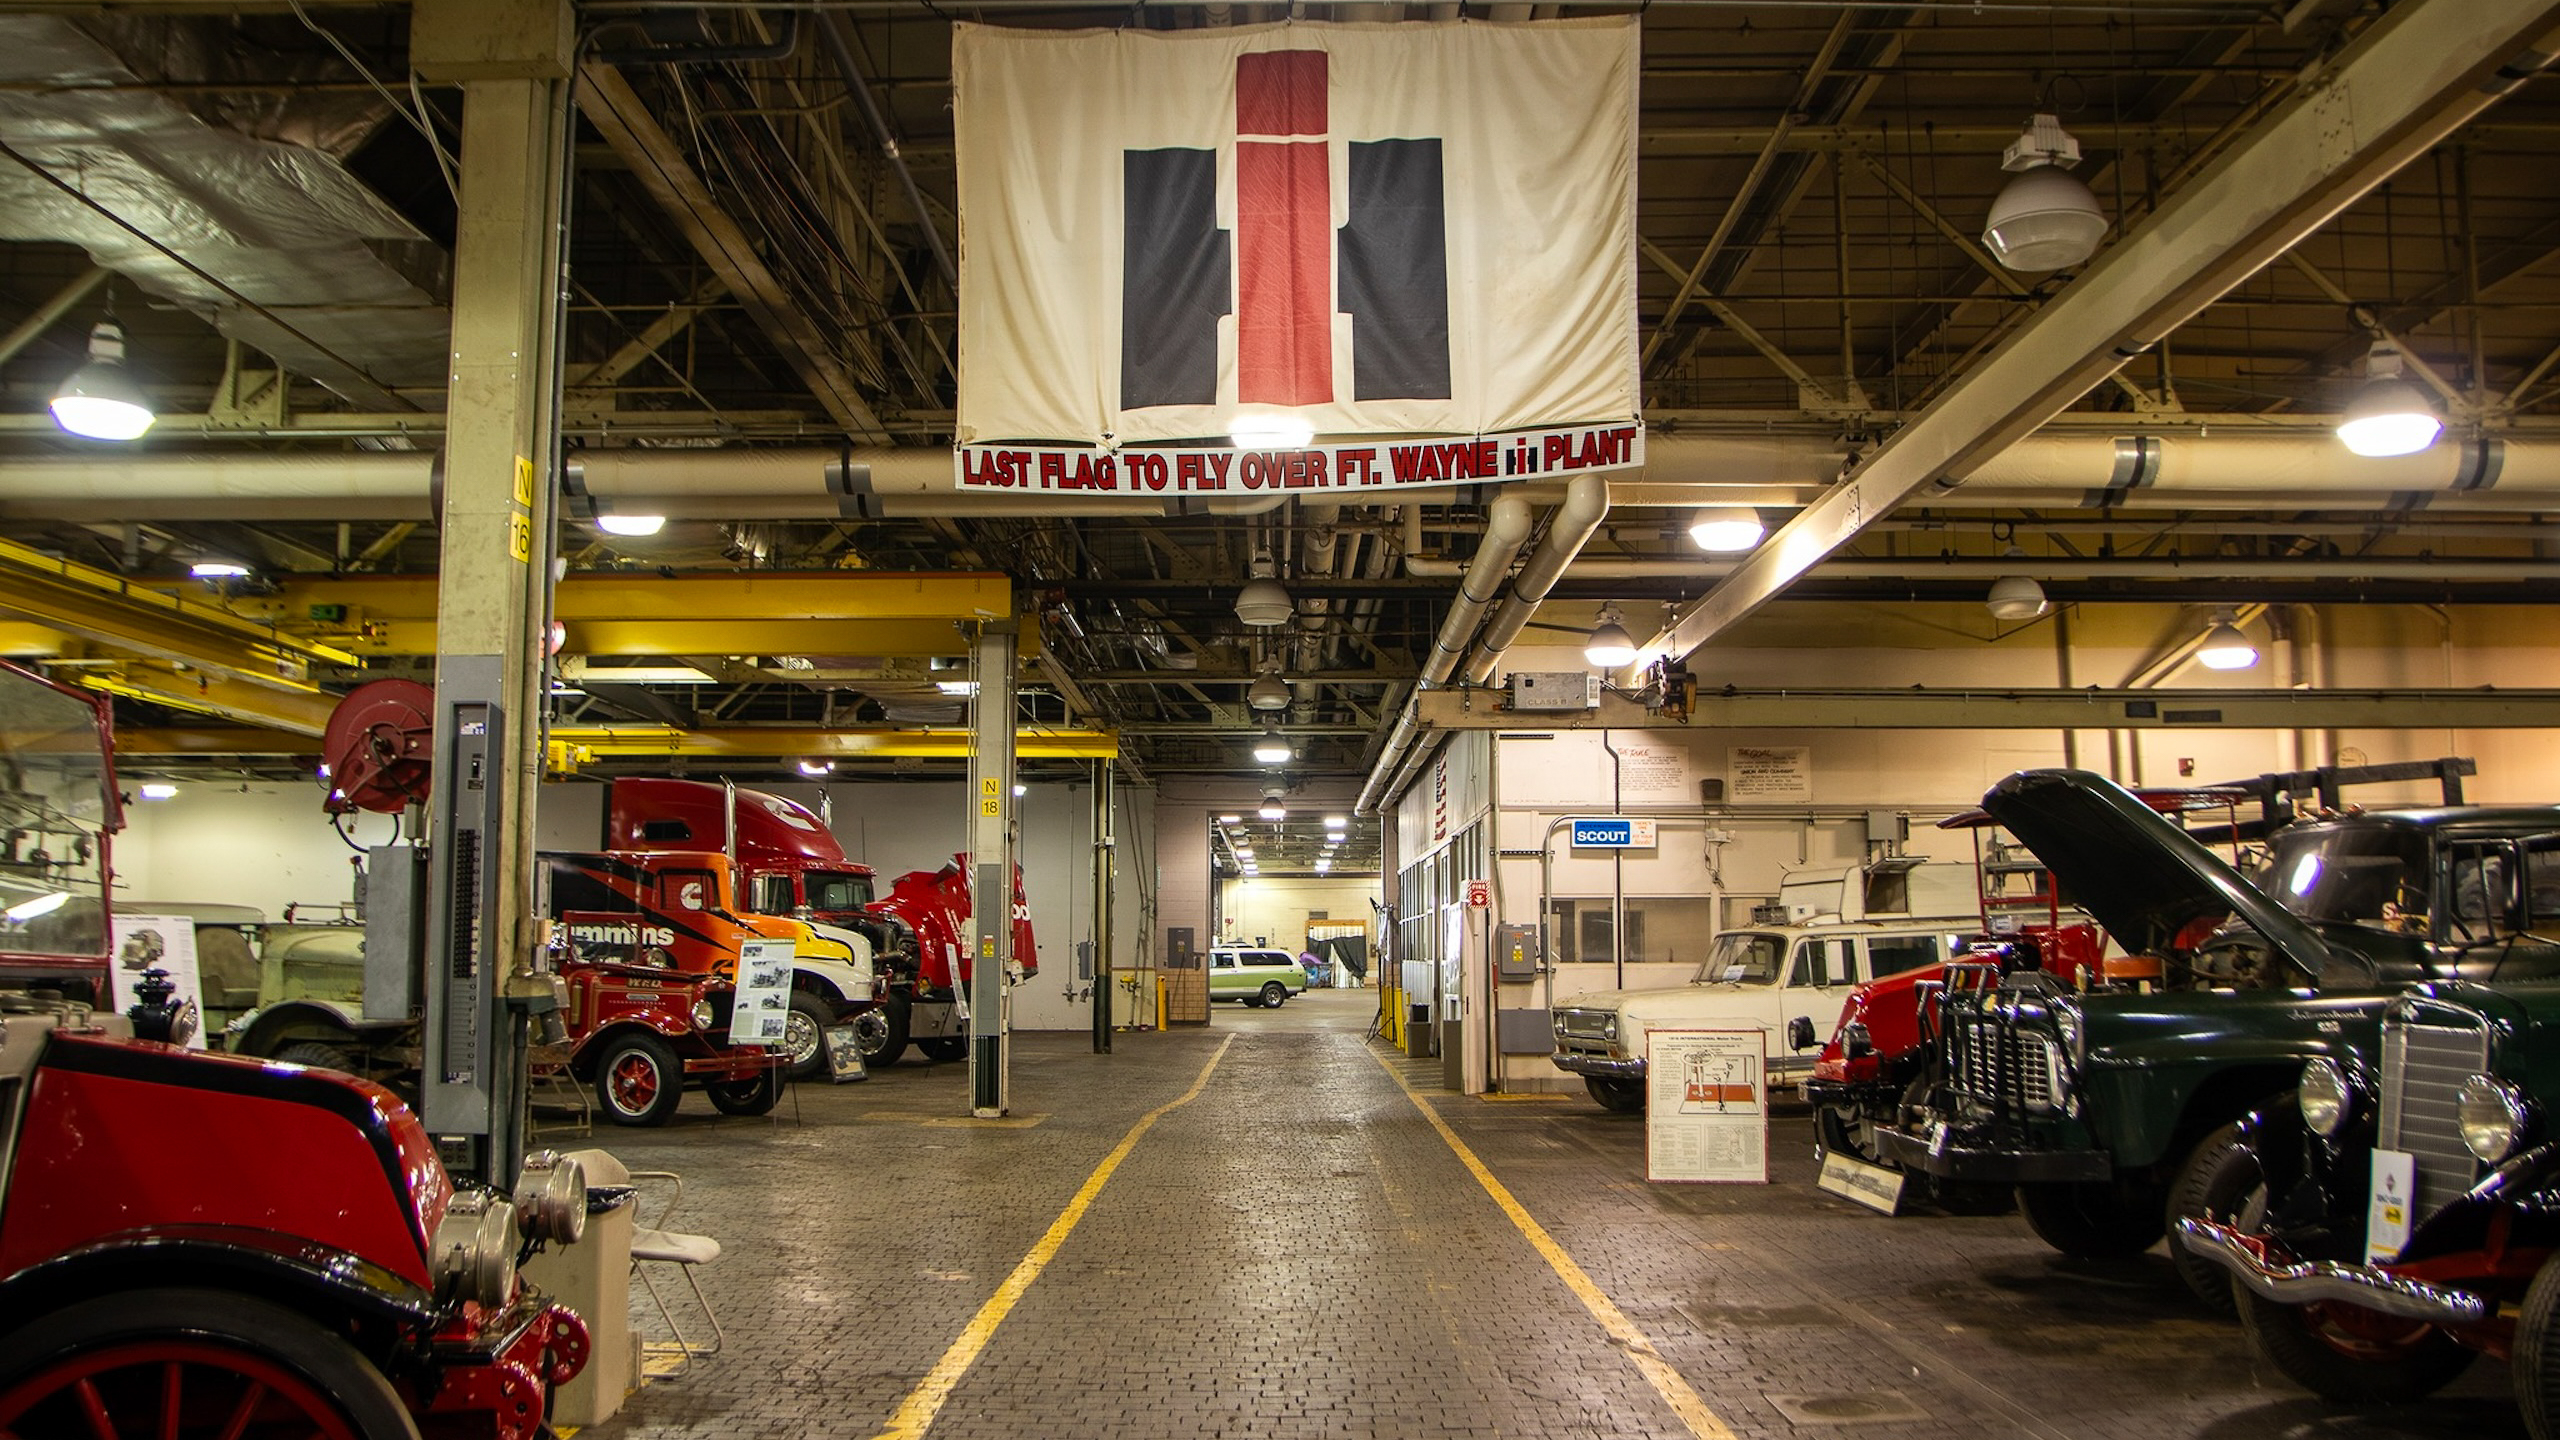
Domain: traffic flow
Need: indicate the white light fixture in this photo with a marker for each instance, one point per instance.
(1323, 865)
(2043, 219)
(1610, 646)
(1230, 819)
(956, 687)
(99, 400)
(1262, 603)
(1244, 852)
(2225, 648)
(158, 790)
(2015, 597)
(1272, 809)
(817, 767)
(1020, 790)
(26, 910)
(1724, 529)
(1269, 691)
(576, 670)
(218, 570)
(2389, 416)
(1271, 749)
(1258, 431)
(631, 524)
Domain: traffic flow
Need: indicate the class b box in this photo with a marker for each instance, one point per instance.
(1554, 690)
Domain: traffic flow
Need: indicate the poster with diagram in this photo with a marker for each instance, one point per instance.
(1706, 1106)
(145, 943)
(763, 1012)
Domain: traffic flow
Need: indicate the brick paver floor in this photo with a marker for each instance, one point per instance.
(1297, 1252)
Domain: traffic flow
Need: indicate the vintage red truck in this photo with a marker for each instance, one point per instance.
(790, 863)
(196, 1245)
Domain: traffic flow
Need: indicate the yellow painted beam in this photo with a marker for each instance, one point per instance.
(606, 742)
(286, 711)
(31, 642)
(111, 611)
(168, 740)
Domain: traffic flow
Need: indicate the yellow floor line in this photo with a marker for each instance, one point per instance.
(1685, 1402)
(916, 1414)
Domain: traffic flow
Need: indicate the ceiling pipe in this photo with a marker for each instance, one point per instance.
(1571, 525)
(2069, 569)
(1506, 530)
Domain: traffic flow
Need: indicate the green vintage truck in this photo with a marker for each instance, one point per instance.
(2115, 1112)
(2410, 1205)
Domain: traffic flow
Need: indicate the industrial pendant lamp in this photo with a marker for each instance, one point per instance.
(612, 524)
(1272, 807)
(2389, 416)
(1262, 603)
(1269, 691)
(2015, 597)
(1271, 749)
(1724, 529)
(2044, 219)
(99, 400)
(2225, 648)
(1610, 645)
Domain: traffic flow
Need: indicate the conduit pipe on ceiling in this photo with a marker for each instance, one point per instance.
(1506, 530)
(2067, 569)
(1569, 527)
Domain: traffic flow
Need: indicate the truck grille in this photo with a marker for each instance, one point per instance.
(1584, 1024)
(2005, 1068)
(2423, 1067)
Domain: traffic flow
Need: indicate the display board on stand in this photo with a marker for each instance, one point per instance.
(1706, 1106)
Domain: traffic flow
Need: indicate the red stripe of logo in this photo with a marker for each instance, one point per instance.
(1284, 232)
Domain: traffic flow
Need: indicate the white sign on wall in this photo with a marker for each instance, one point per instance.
(157, 942)
(1765, 773)
(1706, 1111)
(1656, 772)
(764, 993)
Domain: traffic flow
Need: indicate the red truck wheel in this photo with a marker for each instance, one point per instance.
(210, 1363)
(639, 1081)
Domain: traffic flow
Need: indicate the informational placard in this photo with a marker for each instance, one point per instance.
(1656, 772)
(1706, 1107)
(1769, 773)
(145, 943)
(2395, 1182)
(1611, 832)
(1479, 894)
(844, 1055)
(764, 993)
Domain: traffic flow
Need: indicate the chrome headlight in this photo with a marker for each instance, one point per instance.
(551, 1198)
(1609, 1028)
(2492, 1116)
(2324, 1097)
(1555, 1020)
(702, 1014)
(475, 1250)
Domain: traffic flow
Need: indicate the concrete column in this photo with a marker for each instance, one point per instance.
(1105, 844)
(500, 464)
(991, 858)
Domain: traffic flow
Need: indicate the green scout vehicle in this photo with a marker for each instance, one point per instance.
(1255, 976)
(2115, 1112)
(2411, 1200)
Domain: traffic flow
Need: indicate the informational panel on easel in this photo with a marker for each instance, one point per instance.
(1706, 1106)
(763, 1012)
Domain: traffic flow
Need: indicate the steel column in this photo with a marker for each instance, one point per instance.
(1104, 841)
(991, 857)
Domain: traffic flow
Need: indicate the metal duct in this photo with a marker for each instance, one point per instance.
(328, 280)
(1586, 504)
(1506, 530)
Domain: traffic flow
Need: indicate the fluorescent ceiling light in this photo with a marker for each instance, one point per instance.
(26, 910)
(1255, 431)
(218, 570)
(1724, 529)
(631, 524)
(817, 767)
(158, 790)
(99, 400)
(1230, 819)
(956, 687)
(1018, 790)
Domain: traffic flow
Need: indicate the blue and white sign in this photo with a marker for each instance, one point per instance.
(1612, 832)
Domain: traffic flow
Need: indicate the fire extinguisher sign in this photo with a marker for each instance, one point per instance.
(1707, 1106)
(1479, 894)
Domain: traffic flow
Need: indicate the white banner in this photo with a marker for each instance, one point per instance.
(1368, 465)
(1410, 230)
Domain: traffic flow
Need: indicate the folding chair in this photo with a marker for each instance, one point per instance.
(652, 1244)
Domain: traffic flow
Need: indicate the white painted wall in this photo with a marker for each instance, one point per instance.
(1277, 908)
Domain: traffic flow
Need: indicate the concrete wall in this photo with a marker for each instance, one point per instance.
(1277, 908)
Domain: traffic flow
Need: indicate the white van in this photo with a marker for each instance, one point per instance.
(1801, 959)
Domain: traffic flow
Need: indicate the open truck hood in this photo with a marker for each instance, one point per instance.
(2137, 874)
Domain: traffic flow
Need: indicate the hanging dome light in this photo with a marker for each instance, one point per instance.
(2389, 416)
(99, 399)
(1271, 749)
(631, 524)
(1610, 646)
(2043, 219)
(2015, 597)
(1272, 809)
(1269, 691)
(2225, 648)
(1262, 603)
(1724, 529)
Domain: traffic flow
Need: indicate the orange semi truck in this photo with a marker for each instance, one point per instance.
(789, 863)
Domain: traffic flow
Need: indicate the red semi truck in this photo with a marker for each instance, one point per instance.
(789, 863)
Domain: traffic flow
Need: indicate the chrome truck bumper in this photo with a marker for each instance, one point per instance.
(2302, 1282)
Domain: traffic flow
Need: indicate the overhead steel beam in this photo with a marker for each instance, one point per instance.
(1991, 709)
(608, 102)
(605, 742)
(2407, 83)
(113, 612)
(274, 711)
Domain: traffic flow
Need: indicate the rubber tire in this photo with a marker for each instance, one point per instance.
(945, 1047)
(882, 1031)
(1618, 1097)
(2535, 1364)
(746, 1097)
(2283, 1339)
(640, 1044)
(2090, 1220)
(318, 1054)
(820, 1016)
(2217, 1180)
(230, 1318)
(1274, 995)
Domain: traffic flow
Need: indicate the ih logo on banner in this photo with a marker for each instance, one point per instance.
(1284, 262)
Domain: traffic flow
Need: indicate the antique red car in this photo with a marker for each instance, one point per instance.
(197, 1245)
(640, 1034)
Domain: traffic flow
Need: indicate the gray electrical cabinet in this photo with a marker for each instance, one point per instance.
(1515, 952)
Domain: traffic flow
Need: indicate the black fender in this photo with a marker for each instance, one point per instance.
(2522, 1196)
(272, 1027)
(335, 1289)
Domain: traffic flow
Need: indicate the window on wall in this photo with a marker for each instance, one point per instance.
(1673, 929)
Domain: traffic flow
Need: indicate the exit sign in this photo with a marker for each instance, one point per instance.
(1612, 832)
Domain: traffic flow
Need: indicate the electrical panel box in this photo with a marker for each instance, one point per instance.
(1515, 952)
(1554, 690)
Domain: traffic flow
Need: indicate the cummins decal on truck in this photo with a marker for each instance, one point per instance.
(789, 863)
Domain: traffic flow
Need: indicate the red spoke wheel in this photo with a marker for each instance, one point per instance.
(2348, 1353)
(190, 1365)
(638, 1079)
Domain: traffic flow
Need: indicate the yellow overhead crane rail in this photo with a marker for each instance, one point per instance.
(617, 613)
(574, 745)
(111, 611)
